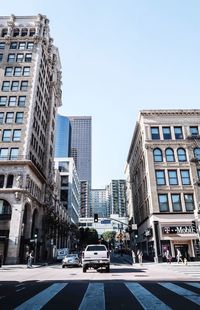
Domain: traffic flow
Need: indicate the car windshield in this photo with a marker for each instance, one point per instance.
(96, 248)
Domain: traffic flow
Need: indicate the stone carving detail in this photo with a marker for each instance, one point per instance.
(18, 196)
(19, 181)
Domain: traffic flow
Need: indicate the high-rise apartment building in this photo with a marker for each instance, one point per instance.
(99, 202)
(117, 198)
(163, 173)
(62, 145)
(30, 92)
(81, 146)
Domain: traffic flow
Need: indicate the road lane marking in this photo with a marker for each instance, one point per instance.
(195, 298)
(195, 284)
(94, 297)
(39, 300)
(146, 298)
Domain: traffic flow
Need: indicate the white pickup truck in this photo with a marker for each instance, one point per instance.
(96, 256)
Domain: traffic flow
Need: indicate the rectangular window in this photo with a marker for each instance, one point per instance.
(19, 117)
(24, 85)
(1, 57)
(1, 117)
(2, 177)
(194, 131)
(189, 202)
(26, 71)
(63, 166)
(163, 202)
(160, 177)
(166, 133)
(3, 100)
(6, 86)
(9, 117)
(2, 45)
(12, 101)
(3, 153)
(64, 180)
(198, 174)
(28, 57)
(30, 45)
(18, 71)
(178, 133)
(20, 57)
(11, 58)
(22, 101)
(172, 174)
(16, 135)
(176, 202)
(155, 135)
(13, 46)
(22, 46)
(6, 137)
(8, 71)
(185, 177)
(15, 86)
(14, 153)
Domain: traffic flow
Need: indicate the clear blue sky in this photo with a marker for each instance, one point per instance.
(119, 57)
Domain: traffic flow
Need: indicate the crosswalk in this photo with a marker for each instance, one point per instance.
(189, 270)
(103, 296)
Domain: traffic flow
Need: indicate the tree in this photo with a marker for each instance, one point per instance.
(109, 235)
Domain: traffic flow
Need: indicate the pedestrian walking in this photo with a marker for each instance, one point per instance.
(140, 255)
(30, 259)
(168, 257)
(133, 257)
(179, 256)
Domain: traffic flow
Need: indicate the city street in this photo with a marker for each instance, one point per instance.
(147, 286)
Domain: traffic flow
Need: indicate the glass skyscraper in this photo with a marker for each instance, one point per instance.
(62, 146)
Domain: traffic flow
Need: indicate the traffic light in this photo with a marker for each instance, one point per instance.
(96, 217)
(194, 227)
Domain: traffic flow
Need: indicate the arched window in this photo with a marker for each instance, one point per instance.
(16, 32)
(5, 207)
(4, 32)
(157, 155)
(197, 153)
(32, 32)
(24, 32)
(181, 154)
(169, 153)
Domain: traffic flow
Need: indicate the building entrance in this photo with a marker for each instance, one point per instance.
(183, 249)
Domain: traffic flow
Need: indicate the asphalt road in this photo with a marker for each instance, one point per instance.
(147, 286)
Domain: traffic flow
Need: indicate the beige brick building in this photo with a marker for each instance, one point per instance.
(30, 93)
(163, 174)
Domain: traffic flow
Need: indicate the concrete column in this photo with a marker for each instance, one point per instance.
(15, 234)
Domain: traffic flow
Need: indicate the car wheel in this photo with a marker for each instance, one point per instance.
(108, 268)
(63, 266)
(84, 269)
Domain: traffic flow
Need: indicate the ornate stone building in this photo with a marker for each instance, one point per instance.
(163, 174)
(30, 93)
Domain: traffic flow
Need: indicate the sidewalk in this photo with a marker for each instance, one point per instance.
(21, 266)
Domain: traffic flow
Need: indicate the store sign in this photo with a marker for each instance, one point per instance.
(177, 230)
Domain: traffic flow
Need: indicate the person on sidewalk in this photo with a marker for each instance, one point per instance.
(133, 257)
(140, 254)
(30, 259)
(168, 257)
(179, 256)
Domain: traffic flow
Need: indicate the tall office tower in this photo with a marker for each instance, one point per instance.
(99, 202)
(81, 146)
(81, 151)
(30, 80)
(163, 173)
(117, 198)
(62, 141)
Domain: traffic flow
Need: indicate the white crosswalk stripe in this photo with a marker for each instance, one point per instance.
(182, 292)
(39, 300)
(94, 297)
(145, 298)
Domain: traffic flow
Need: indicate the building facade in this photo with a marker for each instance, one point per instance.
(163, 176)
(30, 93)
(99, 202)
(62, 145)
(117, 198)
